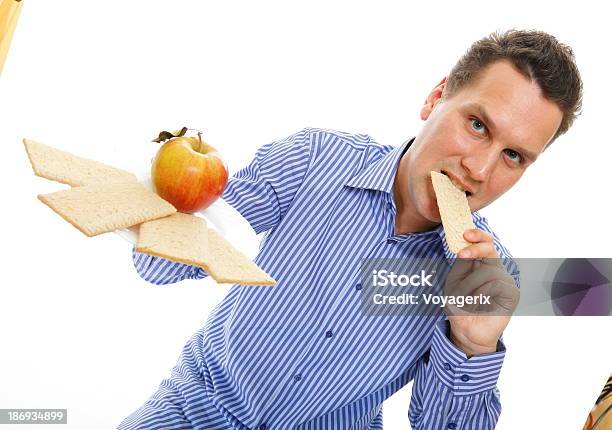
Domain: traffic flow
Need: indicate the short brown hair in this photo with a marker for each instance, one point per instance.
(537, 55)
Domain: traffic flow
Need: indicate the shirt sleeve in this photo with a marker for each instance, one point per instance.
(262, 192)
(160, 271)
(452, 391)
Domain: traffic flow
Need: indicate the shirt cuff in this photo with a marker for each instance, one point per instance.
(197, 273)
(464, 376)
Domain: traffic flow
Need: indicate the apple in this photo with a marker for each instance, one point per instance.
(188, 172)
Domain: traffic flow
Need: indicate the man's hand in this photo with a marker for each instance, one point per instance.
(476, 328)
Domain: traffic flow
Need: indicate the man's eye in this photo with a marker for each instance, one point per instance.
(478, 126)
(514, 156)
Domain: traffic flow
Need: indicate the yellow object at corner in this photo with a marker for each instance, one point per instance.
(9, 14)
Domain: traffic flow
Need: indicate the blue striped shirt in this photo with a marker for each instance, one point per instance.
(302, 354)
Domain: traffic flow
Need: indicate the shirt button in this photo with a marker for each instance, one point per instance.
(297, 377)
(358, 287)
(447, 366)
(389, 206)
(452, 426)
(465, 378)
(263, 426)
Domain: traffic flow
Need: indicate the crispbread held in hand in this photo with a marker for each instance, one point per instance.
(454, 210)
(61, 166)
(227, 265)
(100, 208)
(178, 237)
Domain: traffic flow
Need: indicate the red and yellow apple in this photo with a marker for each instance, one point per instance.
(188, 173)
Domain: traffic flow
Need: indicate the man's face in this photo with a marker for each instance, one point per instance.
(483, 137)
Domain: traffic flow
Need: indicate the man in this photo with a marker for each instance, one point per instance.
(302, 354)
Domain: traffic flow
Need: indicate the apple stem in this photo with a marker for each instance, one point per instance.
(199, 132)
(200, 141)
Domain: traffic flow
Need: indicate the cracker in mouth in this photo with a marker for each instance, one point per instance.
(459, 186)
(454, 211)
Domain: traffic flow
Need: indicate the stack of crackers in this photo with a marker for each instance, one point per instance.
(103, 199)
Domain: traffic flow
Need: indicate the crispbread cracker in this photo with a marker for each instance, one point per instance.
(186, 239)
(227, 265)
(51, 163)
(100, 208)
(178, 237)
(454, 210)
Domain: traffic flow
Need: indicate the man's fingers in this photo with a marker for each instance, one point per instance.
(478, 250)
(455, 311)
(504, 298)
(463, 267)
(475, 235)
(483, 275)
(482, 245)
(460, 270)
(493, 299)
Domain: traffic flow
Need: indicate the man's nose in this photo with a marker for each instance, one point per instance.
(479, 163)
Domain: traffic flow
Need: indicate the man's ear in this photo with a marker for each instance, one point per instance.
(432, 99)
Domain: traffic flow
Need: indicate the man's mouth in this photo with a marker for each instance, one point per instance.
(457, 183)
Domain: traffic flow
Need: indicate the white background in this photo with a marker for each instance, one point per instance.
(80, 330)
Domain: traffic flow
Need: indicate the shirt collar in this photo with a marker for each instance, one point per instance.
(380, 176)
